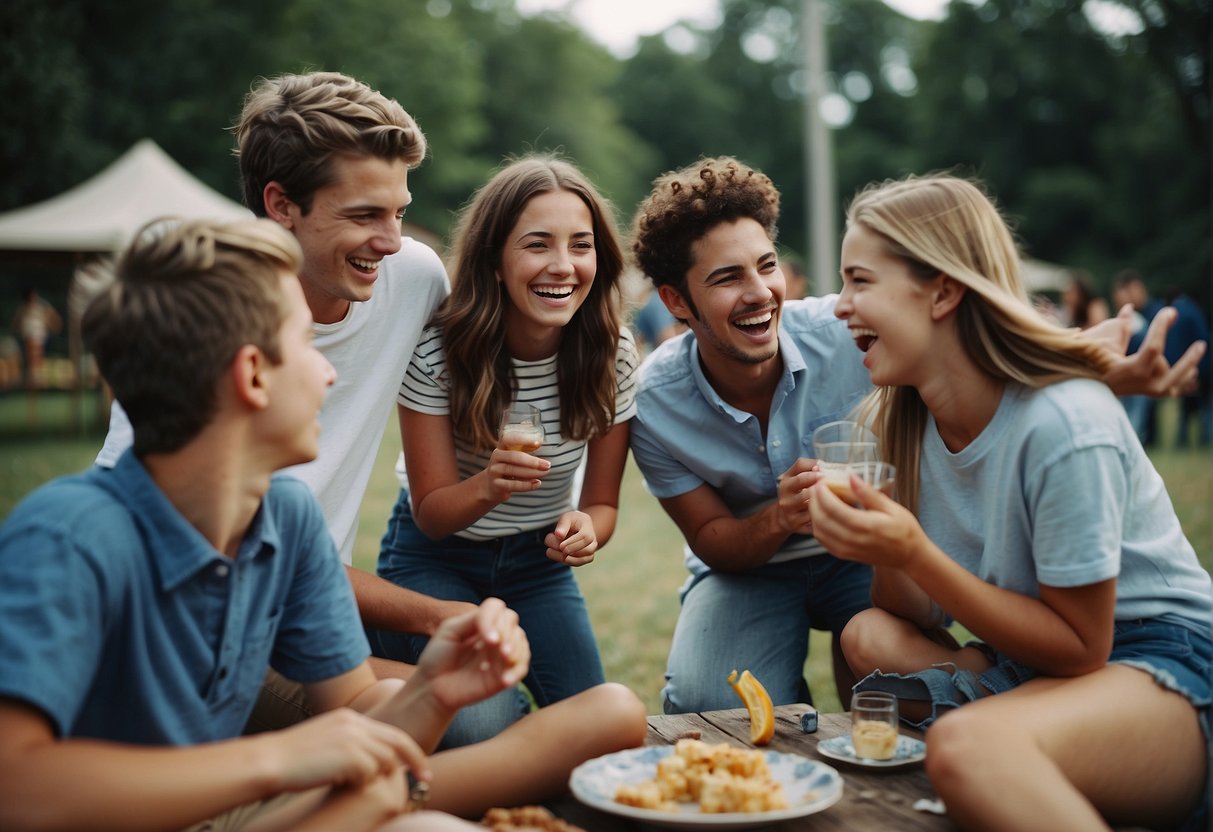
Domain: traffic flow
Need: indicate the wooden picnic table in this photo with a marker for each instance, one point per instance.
(871, 799)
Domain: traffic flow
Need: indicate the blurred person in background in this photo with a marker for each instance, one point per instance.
(1081, 307)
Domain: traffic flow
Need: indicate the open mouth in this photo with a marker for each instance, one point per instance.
(367, 267)
(755, 323)
(864, 337)
(553, 292)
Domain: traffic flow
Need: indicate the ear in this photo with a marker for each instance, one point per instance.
(278, 205)
(248, 377)
(946, 297)
(674, 302)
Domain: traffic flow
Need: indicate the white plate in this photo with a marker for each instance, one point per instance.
(808, 785)
(909, 750)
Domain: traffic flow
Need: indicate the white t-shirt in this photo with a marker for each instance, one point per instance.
(425, 389)
(370, 349)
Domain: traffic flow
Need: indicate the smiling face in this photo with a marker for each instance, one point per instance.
(296, 386)
(353, 224)
(886, 307)
(547, 268)
(735, 290)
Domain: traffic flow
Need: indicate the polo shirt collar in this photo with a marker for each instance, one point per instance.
(178, 551)
(794, 368)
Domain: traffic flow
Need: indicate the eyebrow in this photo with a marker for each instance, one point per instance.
(577, 235)
(724, 270)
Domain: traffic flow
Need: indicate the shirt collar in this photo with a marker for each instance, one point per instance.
(177, 550)
(794, 368)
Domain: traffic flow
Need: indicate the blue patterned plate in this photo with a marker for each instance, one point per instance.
(909, 751)
(808, 785)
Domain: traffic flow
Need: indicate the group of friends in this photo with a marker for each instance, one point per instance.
(187, 645)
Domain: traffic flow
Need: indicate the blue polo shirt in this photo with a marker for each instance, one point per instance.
(685, 435)
(120, 621)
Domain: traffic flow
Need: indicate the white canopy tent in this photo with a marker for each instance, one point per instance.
(96, 218)
(102, 213)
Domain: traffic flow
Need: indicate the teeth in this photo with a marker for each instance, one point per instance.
(553, 291)
(858, 332)
(752, 320)
(369, 265)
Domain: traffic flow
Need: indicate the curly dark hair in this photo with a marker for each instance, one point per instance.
(686, 204)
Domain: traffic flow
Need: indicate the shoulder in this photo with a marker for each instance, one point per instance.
(811, 322)
(1076, 412)
(418, 264)
(669, 364)
(626, 354)
(75, 513)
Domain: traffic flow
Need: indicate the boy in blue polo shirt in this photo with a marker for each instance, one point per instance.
(140, 606)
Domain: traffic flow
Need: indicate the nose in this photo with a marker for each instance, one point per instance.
(843, 308)
(387, 236)
(561, 264)
(758, 291)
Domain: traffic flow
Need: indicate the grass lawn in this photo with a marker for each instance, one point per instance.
(632, 585)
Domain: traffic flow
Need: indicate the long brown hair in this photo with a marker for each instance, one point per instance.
(473, 318)
(945, 224)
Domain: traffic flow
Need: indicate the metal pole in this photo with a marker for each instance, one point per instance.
(819, 152)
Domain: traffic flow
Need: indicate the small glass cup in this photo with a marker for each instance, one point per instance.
(874, 725)
(878, 475)
(841, 444)
(521, 428)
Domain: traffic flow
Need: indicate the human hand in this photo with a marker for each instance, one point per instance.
(881, 533)
(573, 540)
(795, 495)
(341, 748)
(475, 655)
(1146, 372)
(512, 470)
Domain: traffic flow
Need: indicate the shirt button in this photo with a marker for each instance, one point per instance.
(221, 570)
(760, 449)
(776, 443)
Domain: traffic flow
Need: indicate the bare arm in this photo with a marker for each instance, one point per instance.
(137, 787)
(580, 534)
(727, 542)
(442, 502)
(1065, 632)
(385, 606)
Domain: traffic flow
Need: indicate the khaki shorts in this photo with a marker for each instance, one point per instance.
(281, 704)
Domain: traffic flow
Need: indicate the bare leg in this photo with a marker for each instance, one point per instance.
(1059, 753)
(430, 822)
(530, 761)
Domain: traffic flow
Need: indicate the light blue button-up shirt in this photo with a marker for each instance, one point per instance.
(685, 435)
(120, 621)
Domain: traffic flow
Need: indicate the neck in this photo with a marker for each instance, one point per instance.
(963, 400)
(213, 484)
(532, 346)
(748, 387)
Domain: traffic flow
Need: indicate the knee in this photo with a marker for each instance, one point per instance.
(619, 713)
(865, 641)
(956, 743)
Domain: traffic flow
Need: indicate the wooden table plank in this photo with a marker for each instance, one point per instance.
(872, 798)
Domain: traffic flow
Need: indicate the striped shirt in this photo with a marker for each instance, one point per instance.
(425, 390)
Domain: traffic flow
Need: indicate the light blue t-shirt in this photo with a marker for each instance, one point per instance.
(685, 435)
(1058, 491)
(119, 620)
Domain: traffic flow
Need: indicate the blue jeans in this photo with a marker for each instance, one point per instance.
(758, 619)
(550, 607)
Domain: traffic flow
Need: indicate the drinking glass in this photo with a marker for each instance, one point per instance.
(521, 428)
(841, 444)
(874, 725)
(878, 475)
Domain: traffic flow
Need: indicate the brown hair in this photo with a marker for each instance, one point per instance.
(187, 295)
(294, 126)
(473, 319)
(686, 204)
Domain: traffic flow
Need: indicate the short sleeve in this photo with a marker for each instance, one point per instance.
(664, 475)
(627, 362)
(1077, 505)
(424, 388)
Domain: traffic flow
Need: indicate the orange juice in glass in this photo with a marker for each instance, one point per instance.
(521, 428)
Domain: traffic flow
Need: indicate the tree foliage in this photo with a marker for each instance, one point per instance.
(1096, 144)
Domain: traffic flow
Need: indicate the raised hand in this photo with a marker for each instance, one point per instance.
(512, 470)
(475, 655)
(573, 540)
(1146, 372)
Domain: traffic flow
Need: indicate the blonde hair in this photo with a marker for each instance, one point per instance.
(187, 295)
(473, 318)
(944, 224)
